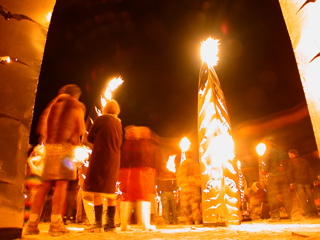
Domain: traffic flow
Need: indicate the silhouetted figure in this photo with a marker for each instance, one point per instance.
(60, 127)
(104, 164)
(275, 163)
(139, 158)
(189, 180)
(167, 185)
(302, 182)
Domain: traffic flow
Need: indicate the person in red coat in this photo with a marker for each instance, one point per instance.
(139, 159)
(104, 163)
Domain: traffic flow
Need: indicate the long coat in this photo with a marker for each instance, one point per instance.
(103, 171)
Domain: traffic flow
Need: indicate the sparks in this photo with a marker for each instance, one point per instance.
(209, 51)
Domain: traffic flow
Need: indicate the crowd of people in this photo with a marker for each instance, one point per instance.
(119, 177)
(289, 189)
(126, 165)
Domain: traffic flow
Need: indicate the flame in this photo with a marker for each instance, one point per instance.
(107, 95)
(209, 51)
(98, 111)
(261, 148)
(115, 83)
(170, 164)
(184, 144)
(103, 101)
(81, 153)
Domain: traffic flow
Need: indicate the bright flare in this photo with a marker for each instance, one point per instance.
(81, 153)
(184, 144)
(112, 85)
(209, 51)
(170, 164)
(48, 17)
(261, 148)
(115, 83)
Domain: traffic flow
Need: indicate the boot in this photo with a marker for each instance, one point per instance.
(144, 211)
(125, 214)
(109, 226)
(57, 228)
(96, 227)
(31, 228)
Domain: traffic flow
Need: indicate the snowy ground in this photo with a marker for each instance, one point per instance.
(253, 230)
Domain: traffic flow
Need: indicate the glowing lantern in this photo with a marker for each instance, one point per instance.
(219, 167)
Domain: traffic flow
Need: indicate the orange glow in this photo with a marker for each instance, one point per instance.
(81, 154)
(48, 16)
(107, 93)
(209, 51)
(170, 164)
(98, 112)
(184, 144)
(261, 148)
(115, 83)
(5, 59)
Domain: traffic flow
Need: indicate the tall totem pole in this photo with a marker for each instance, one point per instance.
(219, 166)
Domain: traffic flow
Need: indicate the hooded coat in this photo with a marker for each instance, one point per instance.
(103, 171)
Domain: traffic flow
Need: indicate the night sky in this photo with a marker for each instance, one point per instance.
(154, 46)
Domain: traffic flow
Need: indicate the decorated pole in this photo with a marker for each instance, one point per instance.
(302, 18)
(220, 172)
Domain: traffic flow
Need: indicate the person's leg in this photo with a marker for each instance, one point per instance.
(57, 227)
(273, 191)
(286, 197)
(59, 196)
(172, 205)
(125, 214)
(36, 208)
(98, 209)
(144, 213)
(87, 198)
(110, 226)
(195, 205)
(186, 207)
(302, 197)
(40, 197)
(311, 201)
(165, 207)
